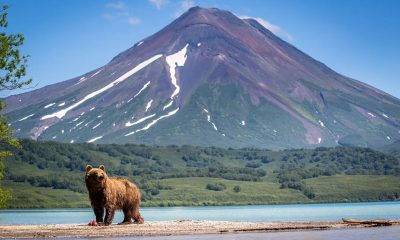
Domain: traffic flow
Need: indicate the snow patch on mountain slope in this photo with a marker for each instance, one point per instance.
(154, 122)
(60, 114)
(79, 123)
(24, 118)
(177, 59)
(209, 119)
(213, 124)
(215, 127)
(82, 79)
(49, 105)
(142, 89)
(321, 123)
(61, 104)
(128, 124)
(94, 74)
(95, 126)
(148, 105)
(168, 105)
(94, 139)
(86, 124)
(243, 123)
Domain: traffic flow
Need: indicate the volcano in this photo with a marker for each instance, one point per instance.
(210, 78)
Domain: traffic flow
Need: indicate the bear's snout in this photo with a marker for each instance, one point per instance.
(95, 177)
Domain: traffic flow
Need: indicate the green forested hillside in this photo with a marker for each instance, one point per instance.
(51, 174)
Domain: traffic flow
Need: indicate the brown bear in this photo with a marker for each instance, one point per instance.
(111, 194)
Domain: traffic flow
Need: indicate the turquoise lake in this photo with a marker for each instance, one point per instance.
(257, 213)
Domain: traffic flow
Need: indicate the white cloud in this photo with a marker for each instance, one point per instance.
(184, 6)
(134, 20)
(119, 10)
(158, 3)
(275, 29)
(119, 5)
(115, 15)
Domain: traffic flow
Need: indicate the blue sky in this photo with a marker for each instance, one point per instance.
(67, 38)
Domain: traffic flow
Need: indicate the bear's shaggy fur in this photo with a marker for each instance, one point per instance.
(110, 194)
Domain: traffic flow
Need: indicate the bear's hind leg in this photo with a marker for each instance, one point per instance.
(136, 216)
(127, 216)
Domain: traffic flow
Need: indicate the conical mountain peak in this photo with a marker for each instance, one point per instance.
(210, 78)
(206, 16)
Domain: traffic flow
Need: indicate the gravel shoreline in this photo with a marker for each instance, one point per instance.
(162, 228)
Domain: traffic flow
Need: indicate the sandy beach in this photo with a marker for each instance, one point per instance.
(164, 228)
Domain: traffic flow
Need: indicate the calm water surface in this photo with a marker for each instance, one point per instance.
(259, 213)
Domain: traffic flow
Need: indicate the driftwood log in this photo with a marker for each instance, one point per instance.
(372, 222)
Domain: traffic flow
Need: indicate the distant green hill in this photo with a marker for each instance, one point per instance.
(51, 174)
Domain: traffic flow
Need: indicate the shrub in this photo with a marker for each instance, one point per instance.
(253, 165)
(154, 191)
(216, 186)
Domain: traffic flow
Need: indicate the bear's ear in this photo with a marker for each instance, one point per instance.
(102, 168)
(88, 168)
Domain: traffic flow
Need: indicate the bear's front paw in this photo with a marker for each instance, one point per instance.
(92, 223)
(139, 221)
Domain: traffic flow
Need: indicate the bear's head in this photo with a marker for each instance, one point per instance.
(95, 177)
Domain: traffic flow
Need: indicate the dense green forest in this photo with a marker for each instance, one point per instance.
(51, 174)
